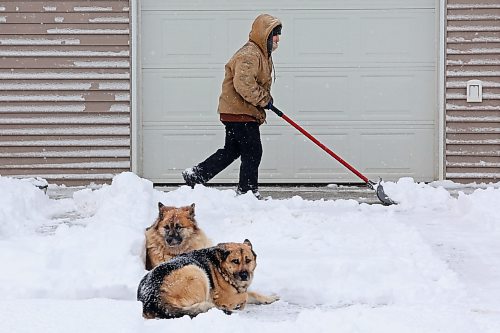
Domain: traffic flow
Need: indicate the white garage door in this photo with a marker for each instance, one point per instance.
(359, 75)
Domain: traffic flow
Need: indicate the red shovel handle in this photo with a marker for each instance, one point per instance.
(322, 146)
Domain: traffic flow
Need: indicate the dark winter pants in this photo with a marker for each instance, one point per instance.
(242, 140)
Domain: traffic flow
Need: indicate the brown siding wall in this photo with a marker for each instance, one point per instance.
(65, 90)
(473, 129)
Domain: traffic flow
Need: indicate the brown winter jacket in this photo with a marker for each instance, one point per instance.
(246, 88)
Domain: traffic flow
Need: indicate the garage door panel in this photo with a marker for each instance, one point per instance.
(320, 97)
(386, 37)
(398, 96)
(387, 97)
(180, 96)
(177, 40)
(181, 38)
(171, 150)
(398, 152)
(333, 36)
(310, 159)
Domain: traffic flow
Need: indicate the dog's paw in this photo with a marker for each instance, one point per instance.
(270, 299)
(256, 298)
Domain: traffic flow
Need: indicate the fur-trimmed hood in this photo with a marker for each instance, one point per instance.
(262, 27)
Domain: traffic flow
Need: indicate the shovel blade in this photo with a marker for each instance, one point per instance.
(379, 190)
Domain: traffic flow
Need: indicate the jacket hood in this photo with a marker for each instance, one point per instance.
(261, 28)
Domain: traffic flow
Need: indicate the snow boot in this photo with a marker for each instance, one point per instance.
(191, 178)
(254, 192)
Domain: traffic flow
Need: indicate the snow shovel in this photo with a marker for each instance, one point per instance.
(379, 190)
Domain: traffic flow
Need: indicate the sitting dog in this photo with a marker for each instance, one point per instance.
(197, 281)
(174, 232)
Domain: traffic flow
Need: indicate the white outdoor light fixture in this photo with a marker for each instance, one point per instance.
(474, 91)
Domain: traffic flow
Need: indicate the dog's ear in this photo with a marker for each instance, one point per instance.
(191, 211)
(160, 216)
(247, 242)
(160, 213)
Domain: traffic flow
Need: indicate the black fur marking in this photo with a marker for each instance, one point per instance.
(149, 287)
(225, 254)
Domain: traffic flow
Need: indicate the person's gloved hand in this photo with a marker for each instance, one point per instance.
(269, 105)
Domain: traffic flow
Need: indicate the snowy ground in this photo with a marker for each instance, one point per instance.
(429, 264)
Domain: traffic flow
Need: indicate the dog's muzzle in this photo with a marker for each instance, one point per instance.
(243, 275)
(173, 240)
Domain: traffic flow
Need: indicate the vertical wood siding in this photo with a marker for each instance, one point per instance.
(473, 129)
(65, 90)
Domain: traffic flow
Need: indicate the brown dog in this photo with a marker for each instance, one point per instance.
(174, 232)
(194, 282)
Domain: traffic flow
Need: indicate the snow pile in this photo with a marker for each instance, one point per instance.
(24, 207)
